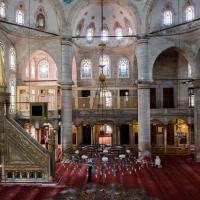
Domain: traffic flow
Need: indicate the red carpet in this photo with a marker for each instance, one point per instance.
(179, 179)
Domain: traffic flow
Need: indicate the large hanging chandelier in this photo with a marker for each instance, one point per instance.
(103, 99)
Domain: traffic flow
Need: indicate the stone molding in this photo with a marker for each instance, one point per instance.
(141, 40)
(66, 85)
(66, 41)
(144, 84)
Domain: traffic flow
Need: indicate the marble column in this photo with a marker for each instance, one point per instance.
(92, 135)
(118, 139)
(144, 79)
(190, 134)
(79, 134)
(66, 85)
(114, 135)
(3, 97)
(197, 119)
(131, 135)
(165, 138)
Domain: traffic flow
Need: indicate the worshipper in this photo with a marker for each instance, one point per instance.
(158, 162)
(90, 174)
(47, 142)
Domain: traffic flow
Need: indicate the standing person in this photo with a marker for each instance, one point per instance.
(90, 173)
(158, 162)
(47, 142)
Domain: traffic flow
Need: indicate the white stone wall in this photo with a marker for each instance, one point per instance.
(52, 20)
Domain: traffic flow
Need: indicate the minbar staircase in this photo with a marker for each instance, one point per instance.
(22, 158)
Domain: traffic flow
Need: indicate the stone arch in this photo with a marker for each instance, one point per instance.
(185, 53)
(197, 64)
(37, 56)
(148, 9)
(60, 13)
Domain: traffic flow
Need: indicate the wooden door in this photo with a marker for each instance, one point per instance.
(168, 97)
(152, 97)
(87, 134)
(124, 134)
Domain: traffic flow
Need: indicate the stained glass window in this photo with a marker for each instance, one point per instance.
(2, 9)
(40, 21)
(123, 67)
(104, 35)
(20, 16)
(43, 67)
(90, 34)
(106, 99)
(86, 69)
(119, 33)
(32, 70)
(104, 61)
(167, 17)
(2, 51)
(12, 59)
(189, 11)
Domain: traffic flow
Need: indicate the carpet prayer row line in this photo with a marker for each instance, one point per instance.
(178, 179)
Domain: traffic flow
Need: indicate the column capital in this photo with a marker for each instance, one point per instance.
(66, 85)
(66, 41)
(144, 84)
(142, 39)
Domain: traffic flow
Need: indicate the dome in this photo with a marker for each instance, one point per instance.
(118, 21)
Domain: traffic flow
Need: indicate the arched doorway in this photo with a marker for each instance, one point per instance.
(86, 128)
(102, 133)
(170, 70)
(124, 134)
(177, 133)
(105, 134)
(157, 133)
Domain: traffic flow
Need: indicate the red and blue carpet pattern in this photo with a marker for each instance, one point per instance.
(179, 179)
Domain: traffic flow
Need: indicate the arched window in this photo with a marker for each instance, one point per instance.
(90, 34)
(27, 72)
(119, 33)
(106, 128)
(123, 68)
(12, 59)
(104, 35)
(43, 69)
(2, 51)
(40, 21)
(86, 69)
(12, 86)
(2, 9)
(167, 17)
(128, 26)
(189, 13)
(20, 15)
(106, 99)
(189, 71)
(32, 70)
(130, 30)
(104, 63)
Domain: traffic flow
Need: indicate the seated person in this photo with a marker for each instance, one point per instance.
(158, 162)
